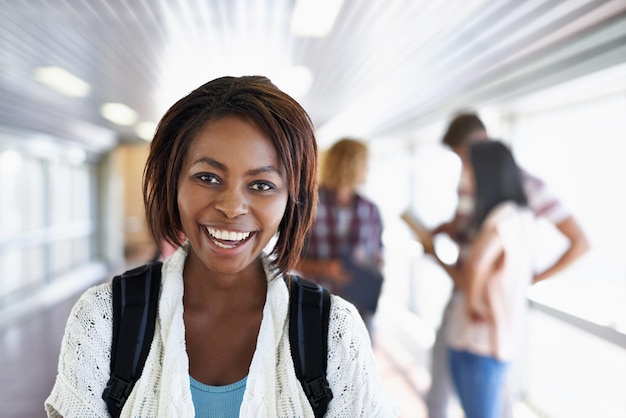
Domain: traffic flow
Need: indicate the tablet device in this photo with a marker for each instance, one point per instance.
(423, 235)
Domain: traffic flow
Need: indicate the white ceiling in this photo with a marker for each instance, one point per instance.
(386, 68)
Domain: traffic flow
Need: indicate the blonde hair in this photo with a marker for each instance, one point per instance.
(343, 164)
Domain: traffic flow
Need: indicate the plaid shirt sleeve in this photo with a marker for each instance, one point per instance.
(366, 226)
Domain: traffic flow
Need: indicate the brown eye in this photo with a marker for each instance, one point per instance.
(208, 178)
(262, 186)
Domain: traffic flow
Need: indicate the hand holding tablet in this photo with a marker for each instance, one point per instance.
(423, 235)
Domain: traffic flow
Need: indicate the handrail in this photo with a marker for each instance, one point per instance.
(47, 235)
(605, 332)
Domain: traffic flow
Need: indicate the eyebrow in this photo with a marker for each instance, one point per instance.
(255, 171)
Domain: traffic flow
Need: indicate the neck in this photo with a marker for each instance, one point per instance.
(217, 291)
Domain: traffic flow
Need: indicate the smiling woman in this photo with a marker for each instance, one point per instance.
(232, 166)
(269, 114)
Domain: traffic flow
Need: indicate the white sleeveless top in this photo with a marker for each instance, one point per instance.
(506, 292)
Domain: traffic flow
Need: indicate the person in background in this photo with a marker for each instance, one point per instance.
(232, 166)
(487, 311)
(465, 129)
(347, 231)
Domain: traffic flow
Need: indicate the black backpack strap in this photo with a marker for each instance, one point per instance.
(135, 303)
(309, 311)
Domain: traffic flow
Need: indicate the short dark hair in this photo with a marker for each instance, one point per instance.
(277, 114)
(497, 178)
(461, 129)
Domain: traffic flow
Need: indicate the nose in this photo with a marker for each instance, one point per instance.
(232, 202)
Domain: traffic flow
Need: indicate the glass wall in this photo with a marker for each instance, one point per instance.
(47, 216)
(581, 149)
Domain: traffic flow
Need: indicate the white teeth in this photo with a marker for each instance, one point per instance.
(228, 235)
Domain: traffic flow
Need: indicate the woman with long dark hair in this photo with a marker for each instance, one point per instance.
(487, 312)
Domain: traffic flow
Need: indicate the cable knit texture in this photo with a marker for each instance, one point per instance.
(163, 390)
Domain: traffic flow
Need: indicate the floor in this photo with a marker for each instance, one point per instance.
(404, 379)
(402, 345)
(30, 344)
(29, 350)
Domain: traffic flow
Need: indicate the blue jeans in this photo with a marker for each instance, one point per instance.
(478, 381)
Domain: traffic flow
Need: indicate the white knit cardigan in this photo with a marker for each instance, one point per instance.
(272, 389)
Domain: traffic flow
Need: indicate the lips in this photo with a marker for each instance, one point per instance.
(227, 239)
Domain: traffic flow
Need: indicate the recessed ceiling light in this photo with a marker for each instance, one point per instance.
(314, 18)
(119, 113)
(62, 81)
(146, 130)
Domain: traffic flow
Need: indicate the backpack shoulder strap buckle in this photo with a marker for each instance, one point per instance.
(317, 390)
(118, 390)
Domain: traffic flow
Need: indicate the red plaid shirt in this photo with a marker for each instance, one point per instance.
(356, 232)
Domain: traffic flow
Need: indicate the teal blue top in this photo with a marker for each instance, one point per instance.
(217, 401)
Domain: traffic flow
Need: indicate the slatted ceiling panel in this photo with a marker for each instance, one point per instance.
(412, 72)
(466, 72)
(387, 66)
(126, 52)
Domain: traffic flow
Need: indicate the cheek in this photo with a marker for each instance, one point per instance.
(187, 202)
(275, 211)
(183, 212)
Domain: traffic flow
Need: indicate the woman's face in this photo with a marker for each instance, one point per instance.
(232, 194)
